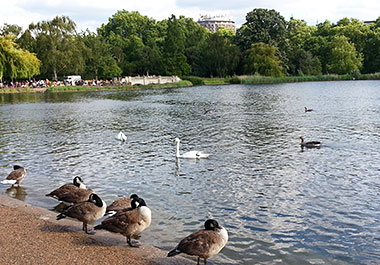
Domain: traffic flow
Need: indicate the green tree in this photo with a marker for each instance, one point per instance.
(219, 57)
(301, 60)
(262, 25)
(226, 33)
(261, 59)
(58, 47)
(99, 60)
(355, 30)
(27, 41)
(134, 39)
(15, 62)
(195, 38)
(298, 32)
(10, 29)
(175, 61)
(344, 59)
(371, 52)
(320, 47)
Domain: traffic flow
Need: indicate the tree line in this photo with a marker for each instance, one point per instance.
(133, 44)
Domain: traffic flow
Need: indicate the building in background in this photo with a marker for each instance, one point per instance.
(215, 22)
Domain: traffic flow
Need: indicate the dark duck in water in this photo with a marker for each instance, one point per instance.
(311, 144)
(308, 110)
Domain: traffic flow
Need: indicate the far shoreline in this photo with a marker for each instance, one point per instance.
(199, 81)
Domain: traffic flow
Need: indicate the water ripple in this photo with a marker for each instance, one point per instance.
(280, 204)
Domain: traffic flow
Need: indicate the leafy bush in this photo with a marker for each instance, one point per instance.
(235, 80)
(196, 81)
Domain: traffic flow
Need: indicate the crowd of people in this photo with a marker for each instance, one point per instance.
(44, 83)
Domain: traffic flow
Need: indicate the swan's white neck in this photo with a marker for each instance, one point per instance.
(177, 152)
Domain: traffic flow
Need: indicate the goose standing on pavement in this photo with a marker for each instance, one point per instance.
(16, 176)
(77, 184)
(86, 212)
(129, 222)
(190, 154)
(75, 196)
(204, 243)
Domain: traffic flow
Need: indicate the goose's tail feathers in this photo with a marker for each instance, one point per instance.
(8, 181)
(174, 252)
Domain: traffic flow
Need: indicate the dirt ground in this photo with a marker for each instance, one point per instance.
(31, 235)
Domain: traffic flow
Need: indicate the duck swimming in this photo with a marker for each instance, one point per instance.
(308, 110)
(311, 144)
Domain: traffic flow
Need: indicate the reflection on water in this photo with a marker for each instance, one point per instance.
(280, 204)
(17, 192)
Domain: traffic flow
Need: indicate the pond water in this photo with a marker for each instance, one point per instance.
(279, 203)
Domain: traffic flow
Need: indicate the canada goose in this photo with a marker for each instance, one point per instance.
(312, 144)
(190, 154)
(86, 212)
(203, 243)
(75, 196)
(308, 110)
(77, 184)
(16, 176)
(121, 136)
(129, 222)
(120, 204)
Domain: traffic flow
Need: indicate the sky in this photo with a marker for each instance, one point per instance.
(91, 14)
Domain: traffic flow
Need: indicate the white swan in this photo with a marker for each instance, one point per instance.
(190, 154)
(121, 136)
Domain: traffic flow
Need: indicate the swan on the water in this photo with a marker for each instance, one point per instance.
(121, 136)
(190, 154)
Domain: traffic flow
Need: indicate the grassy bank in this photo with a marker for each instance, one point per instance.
(257, 79)
(295, 79)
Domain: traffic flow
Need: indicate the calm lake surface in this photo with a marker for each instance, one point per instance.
(280, 205)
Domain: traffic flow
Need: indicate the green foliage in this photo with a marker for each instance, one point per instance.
(218, 57)
(15, 62)
(133, 44)
(99, 60)
(303, 62)
(195, 38)
(298, 32)
(9, 29)
(261, 59)
(257, 79)
(196, 81)
(175, 61)
(371, 52)
(228, 34)
(344, 57)
(262, 25)
(58, 47)
(134, 41)
(235, 80)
